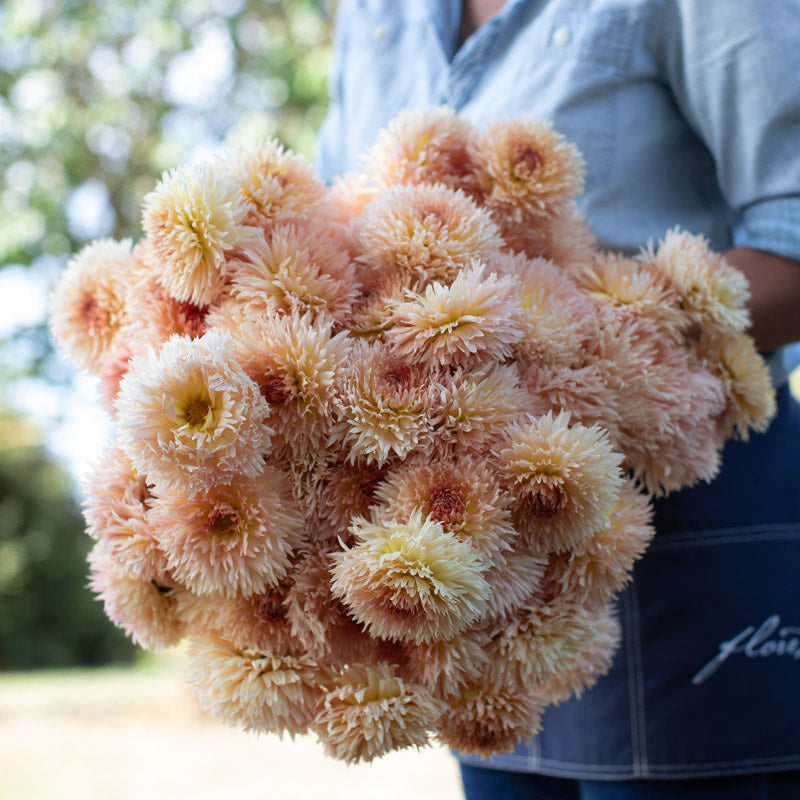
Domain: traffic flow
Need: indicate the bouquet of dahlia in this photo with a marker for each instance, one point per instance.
(385, 450)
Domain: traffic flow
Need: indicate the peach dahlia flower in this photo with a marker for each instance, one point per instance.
(431, 233)
(473, 320)
(409, 581)
(370, 711)
(566, 477)
(712, 291)
(188, 415)
(278, 186)
(87, 304)
(489, 717)
(193, 222)
(117, 509)
(462, 494)
(528, 169)
(145, 608)
(387, 406)
(425, 146)
(232, 539)
(254, 690)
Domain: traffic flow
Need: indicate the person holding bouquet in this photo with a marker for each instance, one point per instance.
(687, 114)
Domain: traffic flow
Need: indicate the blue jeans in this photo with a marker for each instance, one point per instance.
(484, 783)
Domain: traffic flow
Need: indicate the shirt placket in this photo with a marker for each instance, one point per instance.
(477, 51)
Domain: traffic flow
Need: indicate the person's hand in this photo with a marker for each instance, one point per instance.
(774, 295)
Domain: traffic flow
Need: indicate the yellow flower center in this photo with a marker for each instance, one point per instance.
(223, 520)
(196, 413)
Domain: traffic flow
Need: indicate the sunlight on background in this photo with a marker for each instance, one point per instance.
(96, 100)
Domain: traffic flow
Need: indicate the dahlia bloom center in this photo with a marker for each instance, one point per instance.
(223, 519)
(199, 410)
(195, 412)
(396, 376)
(526, 161)
(95, 316)
(193, 315)
(376, 689)
(447, 503)
(546, 495)
(269, 609)
(273, 389)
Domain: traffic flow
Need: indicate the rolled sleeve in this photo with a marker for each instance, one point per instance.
(771, 225)
(734, 69)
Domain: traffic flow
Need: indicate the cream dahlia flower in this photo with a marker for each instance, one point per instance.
(462, 494)
(146, 609)
(254, 690)
(87, 305)
(371, 711)
(528, 170)
(188, 415)
(668, 403)
(387, 406)
(473, 320)
(230, 539)
(431, 233)
(302, 268)
(711, 290)
(558, 321)
(295, 361)
(258, 622)
(747, 382)
(488, 718)
(448, 667)
(566, 478)
(409, 581)
(542, 641)
(425, 146)
(634, 287)
(592, 663)
(194, 222)
(117, 510)
(278, 186)
(597, 568)
(476, 406)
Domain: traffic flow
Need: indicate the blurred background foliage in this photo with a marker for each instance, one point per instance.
(47, 616)
(97, 99)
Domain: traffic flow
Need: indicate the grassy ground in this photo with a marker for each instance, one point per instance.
(131, 734)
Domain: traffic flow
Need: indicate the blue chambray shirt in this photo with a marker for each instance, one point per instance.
(687, 113)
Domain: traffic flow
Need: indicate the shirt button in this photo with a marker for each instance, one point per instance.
(561, 36)
(379, 32)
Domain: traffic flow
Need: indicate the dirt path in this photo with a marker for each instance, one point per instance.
(139, 735)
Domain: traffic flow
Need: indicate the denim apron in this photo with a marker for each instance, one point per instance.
(707, 678)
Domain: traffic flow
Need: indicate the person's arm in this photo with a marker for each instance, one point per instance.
(733, 70)
(774, 295)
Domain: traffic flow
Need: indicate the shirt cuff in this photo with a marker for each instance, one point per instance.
(772, 226)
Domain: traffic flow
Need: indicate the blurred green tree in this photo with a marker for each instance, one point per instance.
(47, 616)
(97, 99)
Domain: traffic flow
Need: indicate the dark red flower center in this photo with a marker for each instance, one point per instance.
(447, 503)
(527, 161)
